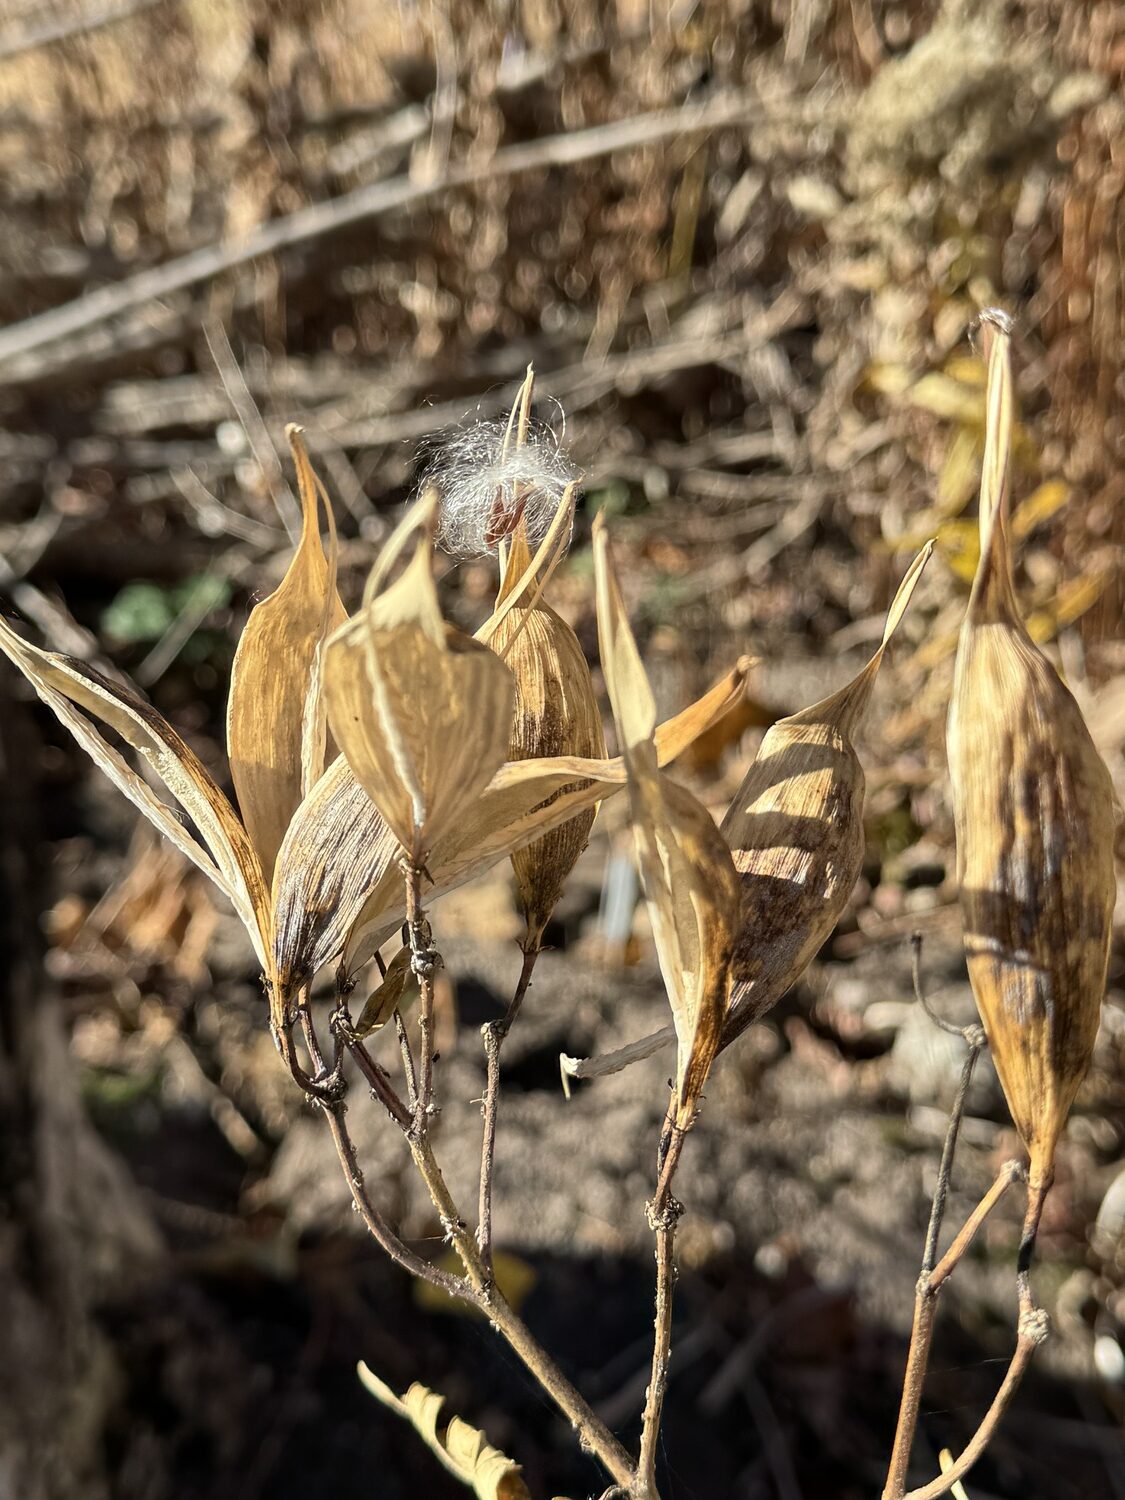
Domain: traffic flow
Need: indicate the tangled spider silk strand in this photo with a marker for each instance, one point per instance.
(486, 485)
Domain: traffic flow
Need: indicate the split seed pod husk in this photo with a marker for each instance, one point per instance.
(81, 698)
(421, 711)
(556, 714)
(275, 713)
(1035, 818)
(338, 891)
(689, 880)
(795, 829)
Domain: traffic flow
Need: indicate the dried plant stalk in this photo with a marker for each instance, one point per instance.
(1035, 815)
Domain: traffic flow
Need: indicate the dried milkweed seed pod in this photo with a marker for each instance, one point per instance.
(795, 829)
(275, 711)
(556, 714)
(420, 711)
(1035, 819)
(689, 881)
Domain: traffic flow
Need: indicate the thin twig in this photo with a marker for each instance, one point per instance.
(408, 1068)
(424, 962)
(1033, 1329)
(593, 1435)
(379, 1229)
(494, 1034)
(257, 434)
(17, 40)
(922, 1331)
(663, 1214)
(319, 219)
(378, 1082)
(930, 1281)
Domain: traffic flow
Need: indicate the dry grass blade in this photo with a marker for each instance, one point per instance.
(66, 686)
(275, 716)
(421, 712)
(686, 869)
(795, 828)
(1035, 816)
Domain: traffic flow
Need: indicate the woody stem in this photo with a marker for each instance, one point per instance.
(663, 1214)
(423, 962)
(593, 1435)
(494, 1034)
(921, 1334)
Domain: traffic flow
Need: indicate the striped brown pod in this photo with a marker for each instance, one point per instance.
(1035, 817)
(795, 829)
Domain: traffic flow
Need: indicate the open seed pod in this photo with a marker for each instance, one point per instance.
(337, 888)
(689, 881)
(556, 714)
(1035, 818)
(421, 711)
(275, 712)
(795, 829)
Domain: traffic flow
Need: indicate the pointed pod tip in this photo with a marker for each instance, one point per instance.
(995, 317)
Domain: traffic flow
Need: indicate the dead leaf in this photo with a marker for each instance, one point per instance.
(463, 1450)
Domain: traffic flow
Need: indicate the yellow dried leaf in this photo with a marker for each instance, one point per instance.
(689, 880)
(421, 711)
(1073, 599)
(463, 1450)
(1039, 506)
(275, 716)
(952, 399)
(958, 476)
(66, 685)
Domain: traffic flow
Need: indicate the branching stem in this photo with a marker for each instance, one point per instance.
(935, 1273)
(593, 1435)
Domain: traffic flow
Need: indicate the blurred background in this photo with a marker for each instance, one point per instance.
(743, 243)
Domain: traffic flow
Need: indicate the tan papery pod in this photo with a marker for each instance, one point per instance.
(226, 855)
(338, 891)
(1035, 817)
(795, 829)
(421, 711)
(556, 714)
(689, 880)
(275, 711)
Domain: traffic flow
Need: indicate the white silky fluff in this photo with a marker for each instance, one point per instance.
(469, 473)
